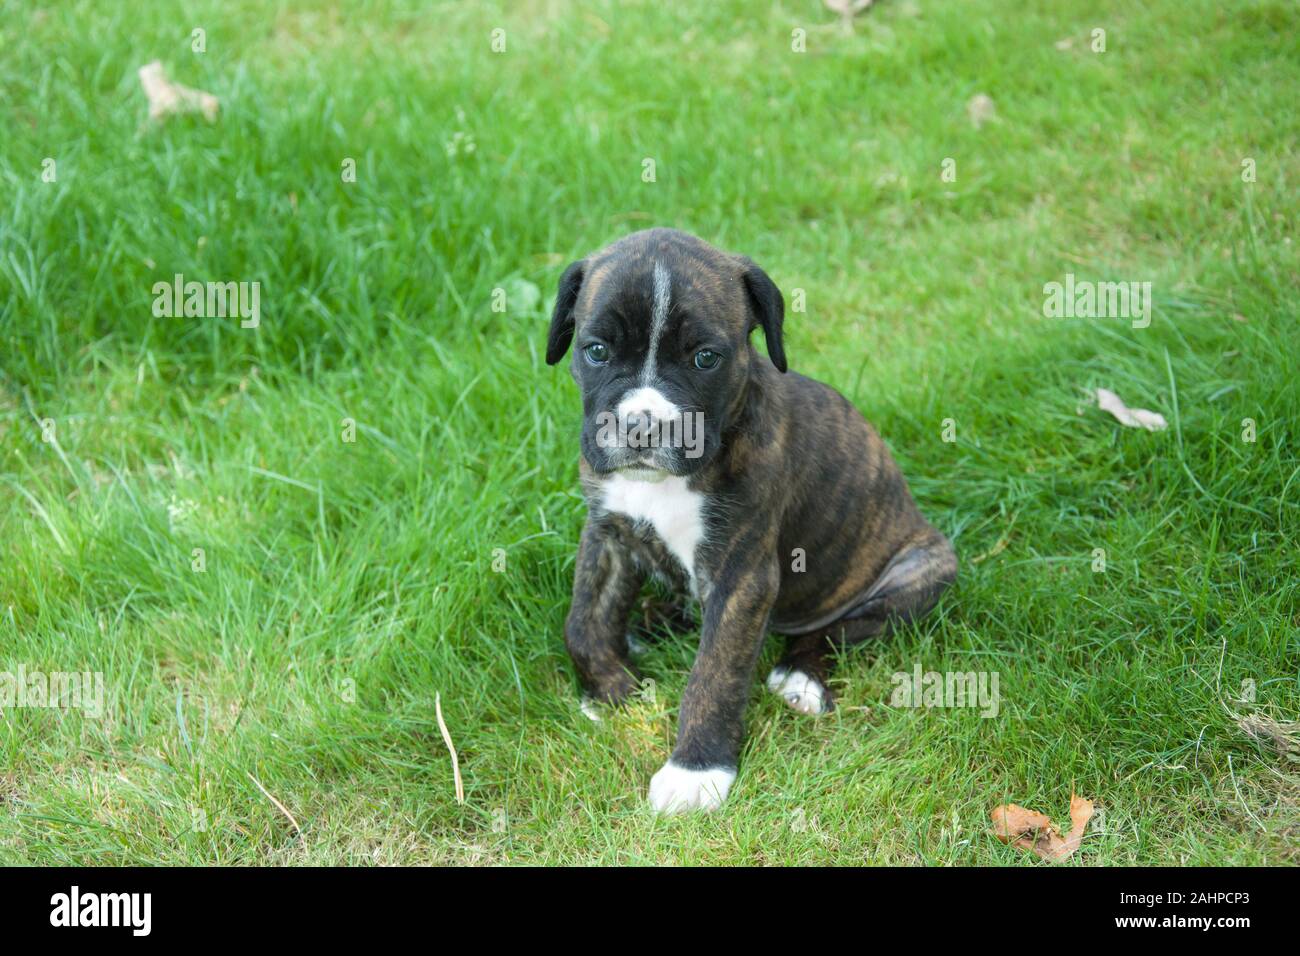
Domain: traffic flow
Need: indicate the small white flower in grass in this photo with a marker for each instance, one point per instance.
(461, 144)
(180, 510)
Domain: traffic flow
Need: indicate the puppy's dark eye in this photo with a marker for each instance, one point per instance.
(707, 359)
(597, 353)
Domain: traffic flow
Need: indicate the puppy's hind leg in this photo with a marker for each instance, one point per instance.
(656, 615)
(906, 590)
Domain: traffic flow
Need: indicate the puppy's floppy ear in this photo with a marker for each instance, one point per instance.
(768, 308)
(561, 334)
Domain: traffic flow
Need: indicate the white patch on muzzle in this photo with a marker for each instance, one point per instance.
(648, 401)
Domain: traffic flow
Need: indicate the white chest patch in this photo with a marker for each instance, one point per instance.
(674, 511)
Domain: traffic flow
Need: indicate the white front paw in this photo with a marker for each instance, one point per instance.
(676, 789)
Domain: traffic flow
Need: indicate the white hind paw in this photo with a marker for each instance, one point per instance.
(803, 693)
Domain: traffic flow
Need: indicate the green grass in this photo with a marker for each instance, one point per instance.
(347, 584)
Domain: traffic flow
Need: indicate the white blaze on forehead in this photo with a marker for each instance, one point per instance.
(649, 400)
(658, 319)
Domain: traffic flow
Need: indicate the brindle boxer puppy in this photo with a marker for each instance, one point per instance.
(786, 512)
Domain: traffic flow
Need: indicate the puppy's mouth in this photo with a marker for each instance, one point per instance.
(645, 471)
(639, 463)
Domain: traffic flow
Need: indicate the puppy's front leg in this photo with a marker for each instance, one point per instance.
(711, 721)
(605, 586)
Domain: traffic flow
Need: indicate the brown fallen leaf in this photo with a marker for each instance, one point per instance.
(1000, 545)
(1030, 830)
(167, 98)
(1283, 735)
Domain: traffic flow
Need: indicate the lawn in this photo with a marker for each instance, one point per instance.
(279, 545)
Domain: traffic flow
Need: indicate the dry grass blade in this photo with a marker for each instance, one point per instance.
(278, 805)
(451, 748)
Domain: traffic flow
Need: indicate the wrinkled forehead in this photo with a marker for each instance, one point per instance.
(652, 282)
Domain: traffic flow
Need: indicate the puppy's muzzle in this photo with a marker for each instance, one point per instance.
(646, 430)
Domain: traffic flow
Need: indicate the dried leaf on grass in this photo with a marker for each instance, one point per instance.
(847, 9)
(1108, 401)
(167, 98)
(1282, 735)
(1030, 830)
(980, 109)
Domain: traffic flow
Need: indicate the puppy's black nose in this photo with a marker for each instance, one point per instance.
(642, 419)
(642, 428)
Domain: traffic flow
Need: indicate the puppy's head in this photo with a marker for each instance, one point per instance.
(660, 323)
